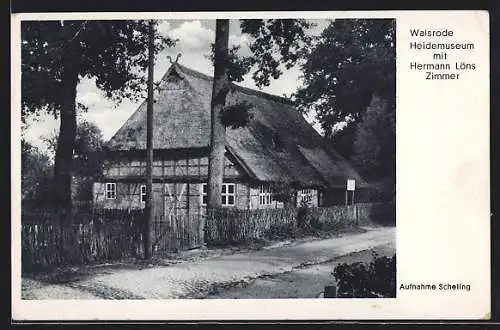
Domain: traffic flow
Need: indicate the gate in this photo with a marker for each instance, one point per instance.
(177, 228)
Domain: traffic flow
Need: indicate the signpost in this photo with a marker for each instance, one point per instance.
(350, 186)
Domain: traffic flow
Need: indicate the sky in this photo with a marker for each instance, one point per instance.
(195, 37)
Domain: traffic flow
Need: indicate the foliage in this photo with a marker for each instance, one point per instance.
(287, 36)
(236, 115)
(360, 280)
(280, 231)
(88, 158)
(283, 193)
(374, 147)
(36, 174)
(115, 52)
(236, 66)
(383, 190)
(347, 64)
(383, 213)
(342, 139)
(307, 220)
(88, 151)
(275, 42)
(57, 54)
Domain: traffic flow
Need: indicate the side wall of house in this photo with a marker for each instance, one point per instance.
(258, 201)
(178, 183)
(170, 198)
(194, 168)
(127, 195)
(308, 196)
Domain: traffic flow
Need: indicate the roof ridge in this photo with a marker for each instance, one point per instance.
(239, 88)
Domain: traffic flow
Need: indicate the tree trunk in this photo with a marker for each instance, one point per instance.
(67, 136)
(218, 131)
(148, 248)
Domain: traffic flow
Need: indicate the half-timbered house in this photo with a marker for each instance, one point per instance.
(278, 146)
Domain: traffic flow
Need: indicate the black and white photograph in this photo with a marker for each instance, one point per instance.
(208, 158)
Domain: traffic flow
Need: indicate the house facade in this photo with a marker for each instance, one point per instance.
(278, 148)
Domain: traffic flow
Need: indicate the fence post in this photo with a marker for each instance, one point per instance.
(356, 215)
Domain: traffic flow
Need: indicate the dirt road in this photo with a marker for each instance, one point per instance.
(199, 279)
(301, 282)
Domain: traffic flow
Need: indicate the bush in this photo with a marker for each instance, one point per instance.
(303, 216)
(360, 280)
(280, 231)
(308, 219)
(383, 214)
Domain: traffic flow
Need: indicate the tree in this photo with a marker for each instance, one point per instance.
(87, 163)
(220, 89)
(374, 148)
(342, 139)
(349, 78)
(275, 42)
(36, 175)
(89, 145)
(350, 61)
(87, 154)
(57, 54)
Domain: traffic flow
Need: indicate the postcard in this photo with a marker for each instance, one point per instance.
(328, 165)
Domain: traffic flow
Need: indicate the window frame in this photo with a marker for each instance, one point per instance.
(306, 195)
(203, 194)
(110, 191)
(143, 193)
(225, 194)
(265, 195)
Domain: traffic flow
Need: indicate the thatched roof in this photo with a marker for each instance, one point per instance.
(182, 120)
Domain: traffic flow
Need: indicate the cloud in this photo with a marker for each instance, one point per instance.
(164, 28)
(193, 36)
(40, 127)
(110, 119)
(243, 41)
(90, 99)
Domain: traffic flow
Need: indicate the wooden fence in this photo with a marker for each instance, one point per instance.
(237, 226)
(82, 237)
(230, 226)
(98, 235)
(177, 233)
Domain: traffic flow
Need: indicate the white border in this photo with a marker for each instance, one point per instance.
(417, 241)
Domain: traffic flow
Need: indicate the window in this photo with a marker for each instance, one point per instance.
(204, 194)
(143, 194)
(228, 194)
(265, 195)
(110, 190)
(305, 196)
